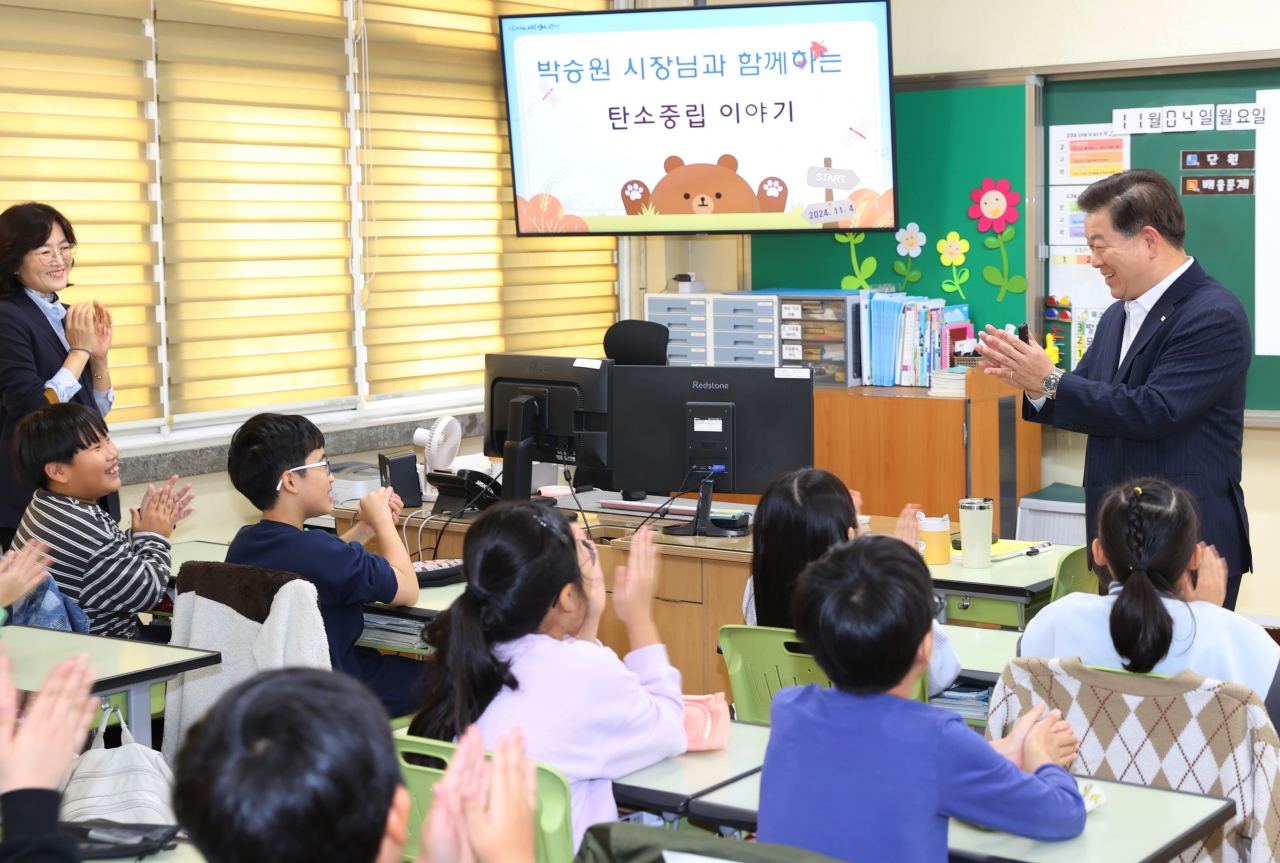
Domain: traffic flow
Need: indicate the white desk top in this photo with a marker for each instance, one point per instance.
(196, 550)
(121, 663)
(1122, 830)
(983, 652)
(669, 784)
(1016, 576)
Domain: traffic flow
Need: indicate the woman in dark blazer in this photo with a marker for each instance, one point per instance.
(49, 352)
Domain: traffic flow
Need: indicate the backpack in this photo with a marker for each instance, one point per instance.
(131, 784)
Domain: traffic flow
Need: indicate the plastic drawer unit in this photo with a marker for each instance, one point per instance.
(744, 329)
(687, 321)
(821, 332)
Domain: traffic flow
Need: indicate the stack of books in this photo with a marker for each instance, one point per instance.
(948, 383)
(970, 701)
(392, 631)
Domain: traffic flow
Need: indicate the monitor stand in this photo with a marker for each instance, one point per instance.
(701, 524)
(517, 451)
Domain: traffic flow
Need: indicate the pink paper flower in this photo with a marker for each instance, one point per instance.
(993, 205)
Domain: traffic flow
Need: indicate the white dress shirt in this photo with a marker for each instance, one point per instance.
(63, 383)
(1135, 312)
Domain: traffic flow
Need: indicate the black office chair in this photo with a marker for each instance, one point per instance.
(637, 343)
(627, 343)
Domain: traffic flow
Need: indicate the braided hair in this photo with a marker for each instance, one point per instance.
(1148, 530)
(517, 558)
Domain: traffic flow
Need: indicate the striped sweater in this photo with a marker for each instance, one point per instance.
(110, 573)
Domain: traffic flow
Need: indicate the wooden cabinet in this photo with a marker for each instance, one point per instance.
(899, 445)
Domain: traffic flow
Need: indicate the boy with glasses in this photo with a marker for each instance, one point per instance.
(278, 462)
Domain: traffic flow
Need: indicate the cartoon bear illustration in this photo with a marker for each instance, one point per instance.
(701, 188)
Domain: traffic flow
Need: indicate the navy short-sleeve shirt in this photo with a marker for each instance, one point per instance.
(345, 574)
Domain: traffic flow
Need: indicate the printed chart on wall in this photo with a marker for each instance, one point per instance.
(743, 119)
(1078, 155)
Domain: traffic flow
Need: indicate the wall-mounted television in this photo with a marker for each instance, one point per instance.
(742, 119)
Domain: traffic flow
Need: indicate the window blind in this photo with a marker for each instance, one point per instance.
(75, 134)
(450, 279)
(255, 182)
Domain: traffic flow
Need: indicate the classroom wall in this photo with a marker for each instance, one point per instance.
(936, 37)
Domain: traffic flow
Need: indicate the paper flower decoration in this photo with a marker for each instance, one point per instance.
(861, 270)
(911, 240)
(994, 205)
(952, 249)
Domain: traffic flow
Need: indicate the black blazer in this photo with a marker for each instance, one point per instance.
(30, 354)
(1173, 409)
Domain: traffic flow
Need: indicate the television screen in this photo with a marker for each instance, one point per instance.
(702, 120)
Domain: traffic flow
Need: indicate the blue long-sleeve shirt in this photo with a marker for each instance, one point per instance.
(869, 778)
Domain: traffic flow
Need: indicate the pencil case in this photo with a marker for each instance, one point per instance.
(706, 722)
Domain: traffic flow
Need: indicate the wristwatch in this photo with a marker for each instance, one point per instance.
(1050, 384)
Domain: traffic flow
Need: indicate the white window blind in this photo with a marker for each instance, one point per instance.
(450, 279)
(74, 133)
(255, 183)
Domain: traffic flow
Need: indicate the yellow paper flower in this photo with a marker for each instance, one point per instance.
(952, 249)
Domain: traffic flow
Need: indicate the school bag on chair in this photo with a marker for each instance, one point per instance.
(130, 784)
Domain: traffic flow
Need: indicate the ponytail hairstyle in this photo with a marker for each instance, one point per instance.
(801, 514)
(1148, 530)
(517, 557)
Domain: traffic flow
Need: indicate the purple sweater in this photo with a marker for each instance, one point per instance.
(589, 714)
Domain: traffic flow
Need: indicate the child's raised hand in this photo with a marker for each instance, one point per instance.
(592, 585)
(160, 517)
(184, 496)
(38, 752)
(1211, 578)
(444, 833)
(908, 527)
(375, 509)
(500, 817)
(22, 571)
(633, 583)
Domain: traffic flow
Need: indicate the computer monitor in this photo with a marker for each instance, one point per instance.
(551, 409)
(677, 428)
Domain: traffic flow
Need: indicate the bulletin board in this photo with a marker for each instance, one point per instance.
(948, 143)
(1220, 228)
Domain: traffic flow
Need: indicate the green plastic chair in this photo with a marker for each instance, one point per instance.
(761, 660)
(1073, 575)
(554, 832)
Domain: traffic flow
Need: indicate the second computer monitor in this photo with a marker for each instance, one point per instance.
(670, 424)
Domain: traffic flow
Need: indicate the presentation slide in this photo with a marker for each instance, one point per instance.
(741, 120)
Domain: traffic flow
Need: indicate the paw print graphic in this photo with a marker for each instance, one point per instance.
(634, 191)
(772, 188)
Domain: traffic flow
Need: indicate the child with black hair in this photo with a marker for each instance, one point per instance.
(862, 772)
(802, 514)
(65, 451)
(1163, 609)
(519, 649)
(298, 766)
(279, 463)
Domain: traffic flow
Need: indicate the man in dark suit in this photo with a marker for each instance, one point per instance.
(1160, 391)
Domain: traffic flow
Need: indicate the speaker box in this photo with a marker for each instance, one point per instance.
(400, 472)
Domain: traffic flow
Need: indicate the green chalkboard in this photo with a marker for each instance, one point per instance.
(948, 142)
(1220, 228)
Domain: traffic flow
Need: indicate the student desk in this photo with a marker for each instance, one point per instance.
(195, 550)
(983, 653)
(669, 785)
(123, 665)
(1122, 830)
(431, 601)
(185, 852)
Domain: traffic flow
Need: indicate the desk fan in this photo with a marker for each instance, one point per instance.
(440, 447)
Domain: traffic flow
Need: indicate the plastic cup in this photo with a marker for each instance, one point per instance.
(935, 533)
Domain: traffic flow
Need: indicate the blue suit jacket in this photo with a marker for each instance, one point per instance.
(30, 354)
(1174, 409)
